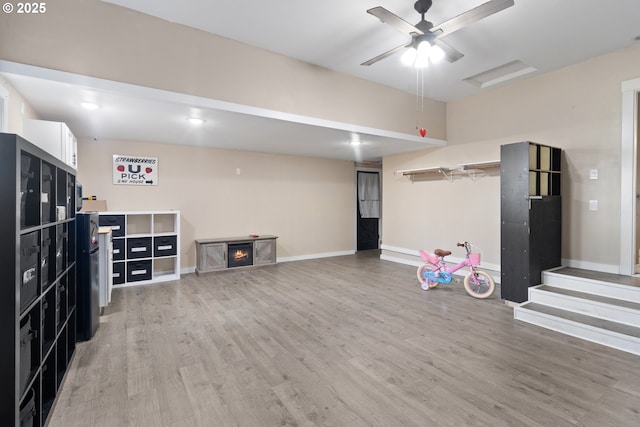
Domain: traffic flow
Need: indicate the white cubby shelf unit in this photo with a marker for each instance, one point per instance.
(146, 246)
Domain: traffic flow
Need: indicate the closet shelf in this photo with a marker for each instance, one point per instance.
(468, 168)
(473, 168)
(411, 173)
(479, 165)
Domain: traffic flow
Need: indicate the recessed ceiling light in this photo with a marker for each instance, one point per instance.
(90, 105)
(195, 120)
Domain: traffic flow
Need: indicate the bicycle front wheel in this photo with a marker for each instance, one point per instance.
(479, 284)
(423, 278)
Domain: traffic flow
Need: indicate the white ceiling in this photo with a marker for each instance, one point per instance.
(542, 34)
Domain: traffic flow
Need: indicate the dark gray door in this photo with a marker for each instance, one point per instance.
(368, 210)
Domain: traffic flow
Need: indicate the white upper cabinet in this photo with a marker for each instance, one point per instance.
(53, 137)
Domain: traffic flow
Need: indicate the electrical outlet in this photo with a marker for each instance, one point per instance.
(593, 173)
(593, 205)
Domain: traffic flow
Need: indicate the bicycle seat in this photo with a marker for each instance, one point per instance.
(441, 252)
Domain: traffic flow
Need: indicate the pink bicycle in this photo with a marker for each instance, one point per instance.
(477, 283)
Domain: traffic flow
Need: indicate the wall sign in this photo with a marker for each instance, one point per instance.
(135, 170)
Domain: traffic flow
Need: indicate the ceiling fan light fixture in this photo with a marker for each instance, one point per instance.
(422, 57)
(423, 48)
(436, 54)
(409, 56)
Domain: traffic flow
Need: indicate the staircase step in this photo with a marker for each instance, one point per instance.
(612, 334)
(609, 285)
(604, 307)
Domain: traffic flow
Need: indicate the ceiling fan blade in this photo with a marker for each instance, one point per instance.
(450, 54)
(473, 15)
(395, 21)
(384, 55)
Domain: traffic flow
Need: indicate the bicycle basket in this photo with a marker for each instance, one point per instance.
(427, 257)
(474, 258)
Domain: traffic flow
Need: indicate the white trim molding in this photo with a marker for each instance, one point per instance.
(315, 256)
(628, 171)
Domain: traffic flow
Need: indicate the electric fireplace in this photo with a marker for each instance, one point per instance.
(240, 254)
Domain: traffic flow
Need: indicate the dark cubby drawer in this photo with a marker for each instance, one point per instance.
(138, 270)
(139, 247)
(119, 249)
(29, 191)
(29, 265)
(116, 222)
(28, 410)
(118, 273)
(164, 246)
(60, 252)
(25, 172)
(47, 266)
(27, 335)
(61, 297)
(47, 197)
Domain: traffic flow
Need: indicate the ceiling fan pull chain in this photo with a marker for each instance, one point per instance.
(422, 94)
(417, 95)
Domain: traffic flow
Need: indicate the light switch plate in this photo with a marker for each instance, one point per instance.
(593, 205)
(593, 173)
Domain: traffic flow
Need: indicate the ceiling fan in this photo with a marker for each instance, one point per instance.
(425, 31)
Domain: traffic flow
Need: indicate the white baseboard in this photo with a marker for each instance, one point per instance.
(187, 270)
(493, 268)
(400, 250)
(315, 256)
(401, 260)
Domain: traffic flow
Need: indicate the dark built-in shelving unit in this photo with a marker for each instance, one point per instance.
(531, 215)
(37, 279)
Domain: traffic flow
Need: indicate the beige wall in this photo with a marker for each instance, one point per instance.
(309, 203)
(433, 212)
(577, 108)
(98, 39)
(19, 109)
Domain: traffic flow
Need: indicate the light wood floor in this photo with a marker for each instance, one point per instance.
(345, 341)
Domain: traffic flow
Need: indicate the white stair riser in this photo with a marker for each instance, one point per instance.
(579, 330)
(592, 308)
(611, 290)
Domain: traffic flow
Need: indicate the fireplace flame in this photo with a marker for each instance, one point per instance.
(240, 255)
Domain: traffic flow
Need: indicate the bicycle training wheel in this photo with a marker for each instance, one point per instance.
(485, 286)
(422, 276)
